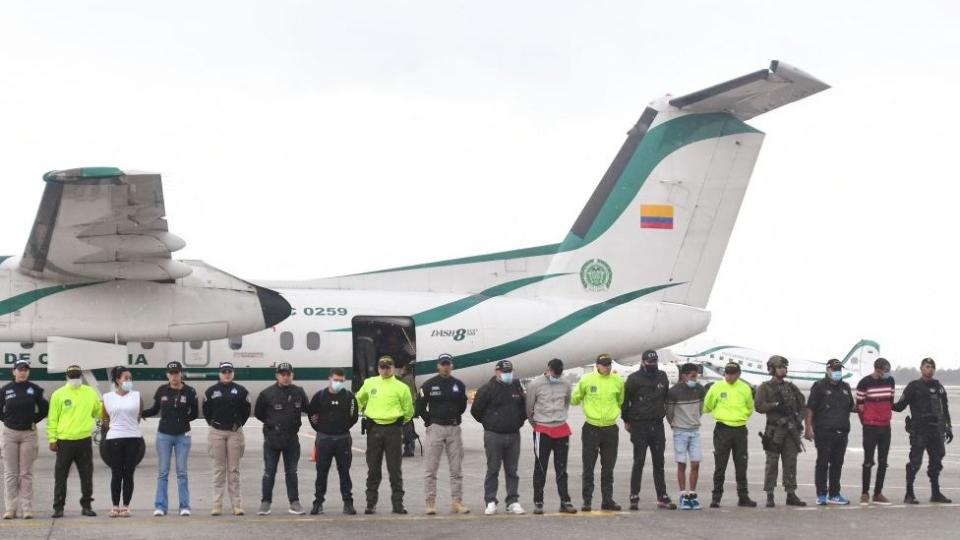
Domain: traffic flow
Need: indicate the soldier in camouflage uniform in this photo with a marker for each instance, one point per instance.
(783, 404)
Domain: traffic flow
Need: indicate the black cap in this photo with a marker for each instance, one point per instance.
(650, 356)
(604, 359)
(21, 364)
(174, 367)
(928, 361)
(385, 361)
(445, 359)
(834, 365)
(505, 366)
(731, 367)
(284, 366)
(226, 365)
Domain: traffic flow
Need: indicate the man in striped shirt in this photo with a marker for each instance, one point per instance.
(875, 407)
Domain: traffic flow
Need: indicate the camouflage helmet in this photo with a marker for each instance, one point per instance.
(776, 361)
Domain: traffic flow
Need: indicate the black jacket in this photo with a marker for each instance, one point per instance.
(927, 402)
(280, 407)
(333, 414)
(831, 405)
(645, 397)
(177, 409)
(501, 408)
(442, 400)
(22, 405)
(226, 406)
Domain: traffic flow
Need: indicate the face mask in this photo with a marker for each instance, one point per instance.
(506, 378)
(837, 376)
(336, 386)
(553, 379)
(886, 375)
(126, 386)
(74, 382)
(691, 384)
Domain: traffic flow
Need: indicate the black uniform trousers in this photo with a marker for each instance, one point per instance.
(875, 440)
(831, 447)
(727, 440)
(646, 435)
(384, 441)
(602, 442)
(330, 448)
(543, 446)
(68, 453)
(271, 459)
(931, 441)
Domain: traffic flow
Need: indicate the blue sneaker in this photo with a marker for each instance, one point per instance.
(839, 500)
(821, 500)
(685, 502)
(694, 502)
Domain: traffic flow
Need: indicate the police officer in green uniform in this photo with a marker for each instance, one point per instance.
(783, 404)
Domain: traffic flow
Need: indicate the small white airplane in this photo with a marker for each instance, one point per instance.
(857, 363)
(634, 272)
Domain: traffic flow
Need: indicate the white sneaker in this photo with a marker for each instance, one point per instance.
(515, 508)
(491, 509)
(184, 511)
(159, 513)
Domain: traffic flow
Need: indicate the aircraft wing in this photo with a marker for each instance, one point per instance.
(753, 94)
(102, 223)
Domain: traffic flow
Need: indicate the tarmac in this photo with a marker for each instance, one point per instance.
(897, 520)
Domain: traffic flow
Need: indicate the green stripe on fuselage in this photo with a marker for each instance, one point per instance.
(197, 374)
(20, 301)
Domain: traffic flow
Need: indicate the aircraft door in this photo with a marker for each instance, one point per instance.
(374, 337)
(195, 353)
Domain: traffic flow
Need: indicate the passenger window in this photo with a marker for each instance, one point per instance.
(236, 343)
(196, 345)
(286, 340)
(146, 345)
(28, 345)
(313, 341)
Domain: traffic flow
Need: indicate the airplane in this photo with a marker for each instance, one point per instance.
(857, 363)
(634, 272)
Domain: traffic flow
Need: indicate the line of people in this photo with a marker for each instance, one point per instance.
(501, 405)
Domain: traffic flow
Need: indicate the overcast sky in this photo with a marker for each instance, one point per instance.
(309, 139)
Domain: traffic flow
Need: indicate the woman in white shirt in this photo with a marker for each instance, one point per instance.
(124, 442)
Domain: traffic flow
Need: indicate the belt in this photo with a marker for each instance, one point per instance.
(397, 422)
(724, 426)
(19, 427)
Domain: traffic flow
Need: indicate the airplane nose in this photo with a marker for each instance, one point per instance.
(275, 307)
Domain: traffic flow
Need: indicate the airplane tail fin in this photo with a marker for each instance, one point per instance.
(861, 356)
(663, 213)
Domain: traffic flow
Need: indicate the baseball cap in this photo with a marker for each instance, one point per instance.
(174, 367)
(834, 365)
(731, 367)
(445, 359)
(385, 361)
(604, 359)
(226, 365)
(74, 371)
(650, 356)
(21, 364)
(284, 366)
(505, 366)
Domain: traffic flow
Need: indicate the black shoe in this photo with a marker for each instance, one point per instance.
(611, 506)
(746, 502)
(770, 502)
(715, 503)
(587, 507)
(664, 503)
(317, 508)
(348, 509)
(87, 511)
(399, 509)
(408, 453)
(909, 498)
(370, 510)
(57, 513)
(538, 508)
(634, 502)
(939, 497)
(567, 508)
(793, 500)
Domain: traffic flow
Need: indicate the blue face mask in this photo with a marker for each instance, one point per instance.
(553, 379)
(336, 386)
(886, 375)
(837, 376)
(126, 386)
(506, 378)
(691, 384)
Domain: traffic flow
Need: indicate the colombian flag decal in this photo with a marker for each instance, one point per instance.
(656, 216)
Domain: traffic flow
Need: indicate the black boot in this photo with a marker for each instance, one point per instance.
(634, 502)
(348, 508)
(87, 511)
(746, 502)
(610, 505)
(587, 506)
(317, 508)
(538, 508)
(793, 500)
(910, 498)
(371, 509)
(57, 513)
(770, 502)
(399, 509)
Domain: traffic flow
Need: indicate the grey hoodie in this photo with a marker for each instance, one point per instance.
(684, 406)
(547, 402)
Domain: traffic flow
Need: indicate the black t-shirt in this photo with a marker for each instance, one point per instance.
(442, 400)
(333, 414)
(22, 405)
(831, 404)
(177, 408)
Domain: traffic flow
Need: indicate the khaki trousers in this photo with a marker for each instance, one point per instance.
(226, 448)
(19, 449)
(442, 439)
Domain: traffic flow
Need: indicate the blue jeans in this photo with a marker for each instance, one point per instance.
(166, 444)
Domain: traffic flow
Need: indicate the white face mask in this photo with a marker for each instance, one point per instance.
(74, 382)
(126, 386)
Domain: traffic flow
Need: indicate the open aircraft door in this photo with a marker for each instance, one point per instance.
(377, 336)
